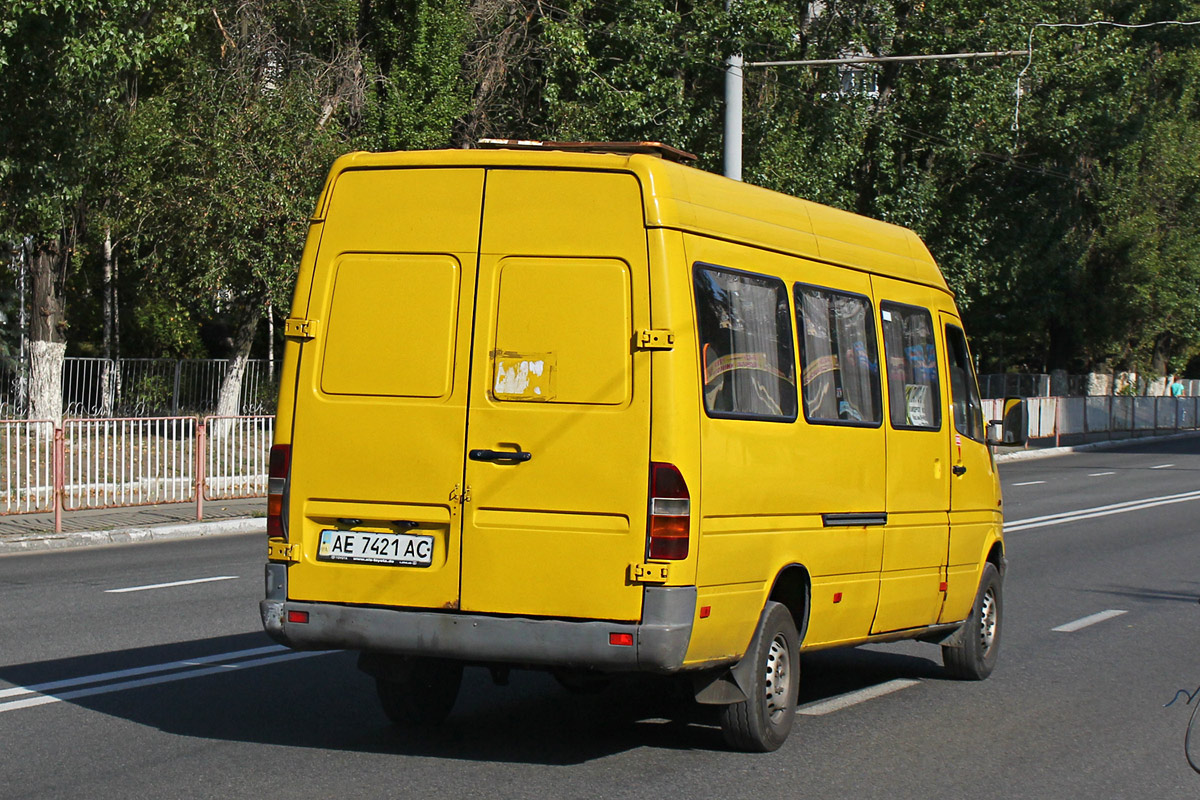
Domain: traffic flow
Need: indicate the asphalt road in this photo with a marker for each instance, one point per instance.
(175, 692)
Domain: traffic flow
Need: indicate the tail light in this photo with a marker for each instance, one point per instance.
(281, 462)
(668, 526)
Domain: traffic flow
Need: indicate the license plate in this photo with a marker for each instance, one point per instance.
(398, 549)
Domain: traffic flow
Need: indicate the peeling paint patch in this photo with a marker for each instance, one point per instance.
(528, 376)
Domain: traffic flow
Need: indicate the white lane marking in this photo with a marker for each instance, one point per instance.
(1071, 627)
(833, 704)
(43, 699)
(1163, 466)
(1098, 511)
(1099, 474)
(1027, 483)
(172, 583)
(169, 666)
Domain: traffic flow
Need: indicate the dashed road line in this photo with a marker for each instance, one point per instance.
(822, 707)
(172, 583)
(1099, 474)
(1071, 627)
(1027, 483)
(1163, 466)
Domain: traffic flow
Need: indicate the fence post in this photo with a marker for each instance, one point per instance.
(175, 393)
(1057, 420)
(201, 452)
(59, 479)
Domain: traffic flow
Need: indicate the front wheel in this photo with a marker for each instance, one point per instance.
(762, 722)
(975, 658)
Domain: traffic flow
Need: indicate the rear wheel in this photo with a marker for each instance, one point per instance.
(762, 722)
(976, 657)
(417, 692)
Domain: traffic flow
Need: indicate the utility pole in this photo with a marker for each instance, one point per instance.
(734, 67)
(733, 112)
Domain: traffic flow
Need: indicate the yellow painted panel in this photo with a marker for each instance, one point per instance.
(914, 541)
(391, 327)
(842, 609)
(908, 599)
(323, 581)
(563, 280)
(733, 615)
(389, 210)
(374, 457)
(970, 533)
(563, 331)
(961, 587)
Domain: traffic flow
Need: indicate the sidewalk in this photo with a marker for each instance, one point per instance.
(29, 532)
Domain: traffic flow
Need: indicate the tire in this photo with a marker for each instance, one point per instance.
(761, 723)
(418, 692)
(975, 658)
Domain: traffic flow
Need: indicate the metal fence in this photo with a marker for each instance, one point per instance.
(115, 462)
(27, 484)
(1125, 384)
(141, 387)
(1055, 417)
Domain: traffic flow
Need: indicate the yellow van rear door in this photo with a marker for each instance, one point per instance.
(377, 450)
(558, 428)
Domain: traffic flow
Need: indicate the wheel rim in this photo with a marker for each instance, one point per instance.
(778, 677)
(989, 617)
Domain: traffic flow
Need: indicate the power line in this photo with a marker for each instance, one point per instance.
(1016, 126)
(825, 62)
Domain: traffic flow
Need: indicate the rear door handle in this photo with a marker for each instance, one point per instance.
(518, 456)
(958, 469)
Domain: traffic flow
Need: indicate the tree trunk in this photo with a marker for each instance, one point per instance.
(229, 397)
(48, 342)
(108, 376)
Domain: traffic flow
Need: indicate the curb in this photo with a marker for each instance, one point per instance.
(33, 542)
(1050, 452)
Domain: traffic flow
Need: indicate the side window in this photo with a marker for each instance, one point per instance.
(912, 367)
(747, 356)
(964, 391)
(839, 360)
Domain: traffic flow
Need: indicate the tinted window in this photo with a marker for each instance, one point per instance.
(964, 392)
(747, 357)
(912, 368)
(839, 359)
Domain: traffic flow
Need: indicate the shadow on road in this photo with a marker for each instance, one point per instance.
(323, 702)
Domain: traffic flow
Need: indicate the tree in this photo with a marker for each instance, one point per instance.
(67, 69)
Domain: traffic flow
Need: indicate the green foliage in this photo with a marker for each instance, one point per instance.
(413, 52)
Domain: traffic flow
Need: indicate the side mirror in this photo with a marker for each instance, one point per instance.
(995, 432)
(1014, 428)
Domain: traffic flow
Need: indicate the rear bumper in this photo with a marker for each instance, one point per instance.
(660, 640)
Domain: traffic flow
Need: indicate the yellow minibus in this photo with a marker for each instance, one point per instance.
(583, 408)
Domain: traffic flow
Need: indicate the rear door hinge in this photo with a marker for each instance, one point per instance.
(649, 573)
(279, 550)
(649, 339)
(302, 329)
(460, 496)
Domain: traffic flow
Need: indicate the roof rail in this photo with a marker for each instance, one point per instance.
(648, 148)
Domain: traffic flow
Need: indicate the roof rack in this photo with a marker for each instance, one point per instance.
(648, 148)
